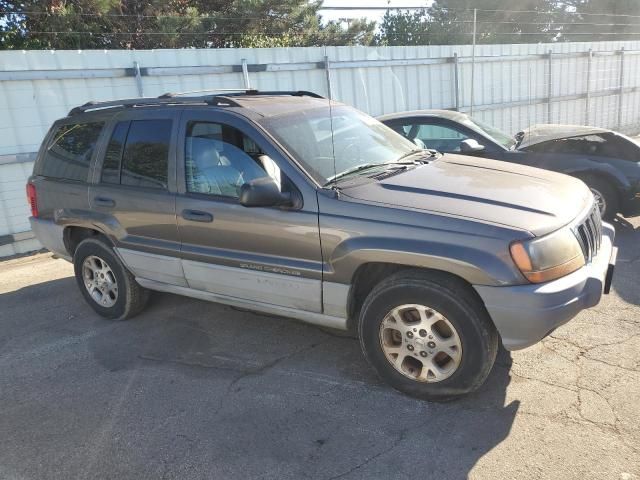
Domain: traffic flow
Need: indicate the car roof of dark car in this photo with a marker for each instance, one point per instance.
(251, 103)
(448, 114)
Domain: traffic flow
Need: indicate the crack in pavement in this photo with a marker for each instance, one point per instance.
(401, 436)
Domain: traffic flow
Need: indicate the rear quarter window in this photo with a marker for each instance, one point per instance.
(69, 154)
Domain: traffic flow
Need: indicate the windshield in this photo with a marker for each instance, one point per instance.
(498, 136)
(358, 140)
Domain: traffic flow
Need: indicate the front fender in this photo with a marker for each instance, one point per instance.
(581, 167)
(476, 264)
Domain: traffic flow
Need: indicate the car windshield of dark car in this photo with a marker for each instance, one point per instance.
(498, 136)
(329, 142)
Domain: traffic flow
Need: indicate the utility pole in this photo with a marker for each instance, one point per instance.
(473, 58)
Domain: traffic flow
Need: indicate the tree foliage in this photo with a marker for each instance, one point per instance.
(448, 22)
(129, 24)
(596, 20)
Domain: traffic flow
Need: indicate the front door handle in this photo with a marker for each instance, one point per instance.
(104, 202)
(197, 216)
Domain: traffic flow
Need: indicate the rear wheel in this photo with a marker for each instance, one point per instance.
(427, 335)
(107, 286)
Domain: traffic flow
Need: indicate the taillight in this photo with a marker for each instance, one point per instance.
(32, 199)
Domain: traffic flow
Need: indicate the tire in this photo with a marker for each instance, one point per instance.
(94, 257)
(605, 194)
(455, 309)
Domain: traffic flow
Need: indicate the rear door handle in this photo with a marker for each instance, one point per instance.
(197, 216)
(104, 202)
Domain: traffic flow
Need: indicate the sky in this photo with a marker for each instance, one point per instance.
(370, 14)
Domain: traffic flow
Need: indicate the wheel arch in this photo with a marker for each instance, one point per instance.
(72, 235)
(370, 274)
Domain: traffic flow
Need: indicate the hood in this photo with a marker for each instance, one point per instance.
(544, 133)
(525, 198)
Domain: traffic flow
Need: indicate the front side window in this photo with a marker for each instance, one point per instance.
(440, 137)
(145, 159)
(70, 152)
(219, 159)
(327, 143)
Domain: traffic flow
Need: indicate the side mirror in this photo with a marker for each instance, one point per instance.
(263, 192)
(471, 145)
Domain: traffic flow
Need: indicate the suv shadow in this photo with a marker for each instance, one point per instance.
(242, 381)
(625, 280)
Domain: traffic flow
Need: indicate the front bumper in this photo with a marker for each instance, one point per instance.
(525, 314)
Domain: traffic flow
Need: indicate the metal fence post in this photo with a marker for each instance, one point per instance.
(456, 81)
(136, 69)
(245, 74)
(327, 70)
(587, 102)
(550, 89)
(621, 97)
(473, 59)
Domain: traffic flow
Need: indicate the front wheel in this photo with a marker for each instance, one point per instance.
(107, 286)
(427, 335)
(605, 196)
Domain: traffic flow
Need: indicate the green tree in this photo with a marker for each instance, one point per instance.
(596, 20)
(448, 22)
(129, 24)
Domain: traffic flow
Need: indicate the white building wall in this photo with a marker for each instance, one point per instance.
(511, 88)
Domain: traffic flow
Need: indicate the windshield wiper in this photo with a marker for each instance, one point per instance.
(365, 166)
(357, 168)
(428, 152)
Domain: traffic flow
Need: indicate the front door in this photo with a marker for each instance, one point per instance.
(264, 255)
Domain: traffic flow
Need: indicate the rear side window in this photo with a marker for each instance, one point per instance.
(146, 154)
(70, 152)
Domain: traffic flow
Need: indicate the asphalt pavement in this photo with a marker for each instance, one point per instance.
(192, 390)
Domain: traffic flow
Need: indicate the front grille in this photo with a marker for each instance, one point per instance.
(589, 234)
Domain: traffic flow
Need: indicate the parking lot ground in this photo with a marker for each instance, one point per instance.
(197, 390)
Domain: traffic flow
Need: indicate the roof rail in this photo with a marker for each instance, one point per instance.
(292, 93)
(139, 102)
(235, 92)
(177, 94)
(176, 99)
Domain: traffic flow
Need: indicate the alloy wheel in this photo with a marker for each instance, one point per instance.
(420, 343)
(100, 281)
(601, 202)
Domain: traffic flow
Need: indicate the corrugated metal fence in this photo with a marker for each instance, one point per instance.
(515, 86)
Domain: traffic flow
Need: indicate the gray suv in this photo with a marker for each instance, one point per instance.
(286, 203)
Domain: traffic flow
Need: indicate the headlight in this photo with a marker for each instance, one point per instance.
(546, 258)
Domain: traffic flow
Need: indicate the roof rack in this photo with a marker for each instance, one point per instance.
(178, 94)
(177, 99)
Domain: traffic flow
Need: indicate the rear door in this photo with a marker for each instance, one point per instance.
(134, 192)
(265, 255)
